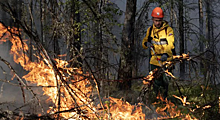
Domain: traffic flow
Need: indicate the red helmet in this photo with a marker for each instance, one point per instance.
(157, 13)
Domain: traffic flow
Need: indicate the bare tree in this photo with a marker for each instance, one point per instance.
(31, 27)
(201, 39)
(171, 13)
(127, 45)
(76, 43)
(181, 34)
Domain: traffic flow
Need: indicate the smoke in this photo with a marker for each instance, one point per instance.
(9, 92)
(12, 95)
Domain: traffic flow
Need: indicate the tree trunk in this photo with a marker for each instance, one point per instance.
(127, 45)
(181, 37)
(100, 53)
(75, 44)
(208, 30)
(42, 17)
(201, 45)
(211, 45)
(209, 68)
(213, 66)
(171, 13)
(31, 24)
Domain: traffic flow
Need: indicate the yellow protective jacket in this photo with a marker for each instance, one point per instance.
(163, 42)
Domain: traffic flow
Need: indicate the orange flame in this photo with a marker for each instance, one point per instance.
(41, 73)
(170, 74)
(183, 100)
(122, 110)
(170, 110)
(150, 77)
(183, 56)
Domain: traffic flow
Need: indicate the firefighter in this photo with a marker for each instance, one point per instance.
(160, 36)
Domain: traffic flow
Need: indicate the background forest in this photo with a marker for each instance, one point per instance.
(99, 42)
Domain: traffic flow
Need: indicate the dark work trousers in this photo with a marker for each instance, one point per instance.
(160, 85)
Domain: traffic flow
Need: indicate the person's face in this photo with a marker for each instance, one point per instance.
(157, 22)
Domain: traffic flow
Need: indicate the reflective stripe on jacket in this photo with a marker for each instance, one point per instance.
(163, 42)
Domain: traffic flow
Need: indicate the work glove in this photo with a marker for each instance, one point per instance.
(164, 57)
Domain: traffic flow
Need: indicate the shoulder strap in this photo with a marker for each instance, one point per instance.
(166, 30)
(151, 27)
